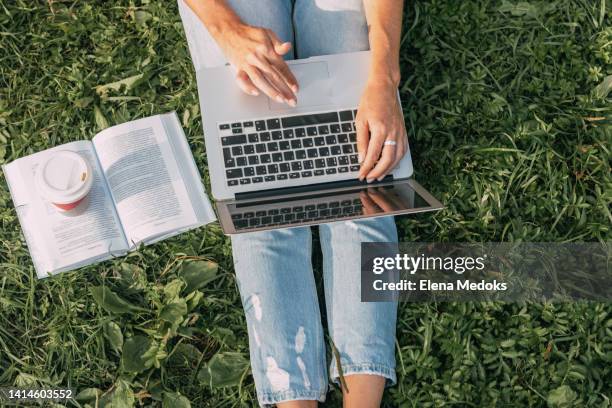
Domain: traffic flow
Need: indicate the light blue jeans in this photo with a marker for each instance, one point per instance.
(274, 269)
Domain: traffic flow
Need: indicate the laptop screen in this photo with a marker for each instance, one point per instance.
(395, 198)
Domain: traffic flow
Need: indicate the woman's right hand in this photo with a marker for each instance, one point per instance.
(257, 54)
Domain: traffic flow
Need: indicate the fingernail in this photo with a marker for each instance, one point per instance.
(294, 88)
(292, 102)
(370, 180)
(360, 158)
(254, 93)
(380, 178)
(279, 99)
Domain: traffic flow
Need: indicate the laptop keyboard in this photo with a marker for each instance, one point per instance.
(289, 147)
(297, 214)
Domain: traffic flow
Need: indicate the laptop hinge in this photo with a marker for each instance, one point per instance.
(307, 188)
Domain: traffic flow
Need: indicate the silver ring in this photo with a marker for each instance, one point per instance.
(390, 143)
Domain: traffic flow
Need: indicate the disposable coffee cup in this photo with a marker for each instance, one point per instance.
(64, 179)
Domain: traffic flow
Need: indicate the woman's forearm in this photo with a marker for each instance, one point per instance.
(384, 19)
(215, 14)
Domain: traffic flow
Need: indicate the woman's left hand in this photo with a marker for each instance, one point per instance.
(379, 119)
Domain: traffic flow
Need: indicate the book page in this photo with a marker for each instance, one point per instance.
(62, 240)
(144, 179)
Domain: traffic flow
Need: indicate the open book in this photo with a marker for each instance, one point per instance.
(146, 187)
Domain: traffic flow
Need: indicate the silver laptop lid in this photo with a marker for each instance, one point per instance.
(259, 212)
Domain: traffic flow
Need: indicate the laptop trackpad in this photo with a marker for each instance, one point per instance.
(314, 83)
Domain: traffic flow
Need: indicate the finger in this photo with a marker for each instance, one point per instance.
(384, 163)
(369, 207)
(263, 85)
(280, 47)
(380, 200)
(363, 138)
(400, 151)
(285, 72)
(245, 83)
(377, 138)
(275, 78)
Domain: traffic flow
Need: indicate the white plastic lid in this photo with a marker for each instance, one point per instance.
(64, 178)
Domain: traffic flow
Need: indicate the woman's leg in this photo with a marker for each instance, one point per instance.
(364, 333)
(273, 269)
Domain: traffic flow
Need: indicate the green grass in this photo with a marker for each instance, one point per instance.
(508, 108)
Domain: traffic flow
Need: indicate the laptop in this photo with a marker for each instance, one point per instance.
(275, 166)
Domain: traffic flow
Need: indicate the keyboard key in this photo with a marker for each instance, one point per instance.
(239, 224)
(272, 146)
(270, 178)
(266, 220)
(300, 154)
(237, 150)
(241, 161)
(288, 133)
(247, 124)
(308, 164)
(343, 138)
(347, 148)
(331, 162)
(249, 149)
(260, 125)
(284, 145)
(260, 170)
(323, 151)
(289, 156)
(236, 125)
(281, 177)
(309, 207)
(230, 163)
(249, 171)
(294, 175)
(353, 137)
(311, 131)
(296, 144)
(227, 153)
(277, 157)
(321, 206)
(354, 168)
(314, 119)
(335, 128)
(253, 138)
(260, 148)
(273, 124)
(308, 142)
(277, 218)
(265, 158)
(336, 150)
(354, 159)
(354, 113)
(272, 168)
(277, 135)
(330, 171)
(319, 163)
(284, 167)
(257, 179)
(232, 183)
(343, 169)
(248, 214)
(323, 130)
(253, 160)
(295, 166)
(347, 127)
(319, 172)
(253, 222)
(301, 132)
(324, 213)
(343, 160)
(237, 131)
(233, 173)
(233, 140)
(264, 136)
(224, 126)
(273, 211)
(312, 153)
(346, 116)
(245, 181)
(330, 140)
(319, 141)
(307, 174)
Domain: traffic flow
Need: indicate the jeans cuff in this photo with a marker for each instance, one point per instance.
(268, 399)
(382, 370)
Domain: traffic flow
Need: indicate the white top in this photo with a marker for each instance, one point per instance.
(64, 177)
